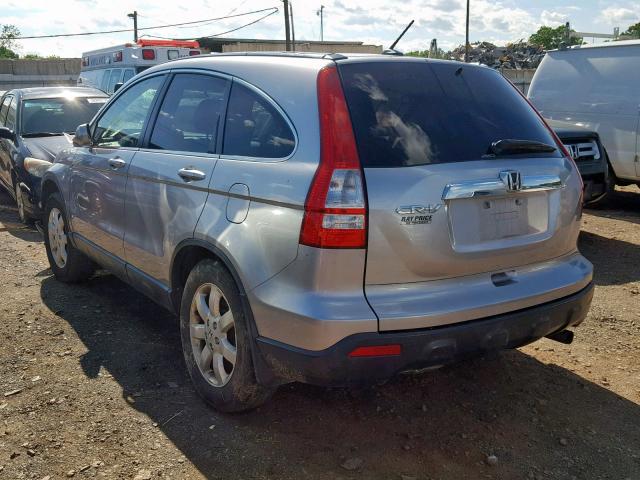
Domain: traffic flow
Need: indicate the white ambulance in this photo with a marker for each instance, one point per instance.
(107, 67)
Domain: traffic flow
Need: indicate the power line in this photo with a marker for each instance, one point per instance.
(221, 33)
(273, 10)
(243, 26)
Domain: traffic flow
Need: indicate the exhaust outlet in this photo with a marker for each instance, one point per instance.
(563, 336)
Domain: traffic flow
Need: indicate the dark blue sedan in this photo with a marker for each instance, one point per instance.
(36, 124)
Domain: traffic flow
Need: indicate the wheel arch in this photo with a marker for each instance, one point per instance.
(186, 255)
(49, 186)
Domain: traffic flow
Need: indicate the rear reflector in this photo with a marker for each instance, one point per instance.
(336, 209)
(193, 53)
(377, 351)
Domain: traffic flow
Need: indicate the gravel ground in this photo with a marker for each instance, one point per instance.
(92, 384)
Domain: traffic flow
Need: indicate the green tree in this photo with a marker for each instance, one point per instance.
(6, 53)
(8, 35)
(633, 31)
(441, 54)
(550, 38)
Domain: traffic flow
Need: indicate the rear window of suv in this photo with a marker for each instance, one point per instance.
(417, 113)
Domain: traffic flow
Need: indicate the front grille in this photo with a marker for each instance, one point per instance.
(583, 150)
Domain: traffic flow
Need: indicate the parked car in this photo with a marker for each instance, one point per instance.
(325, 218)
(35, 124)
(596, 87)
(587, 151)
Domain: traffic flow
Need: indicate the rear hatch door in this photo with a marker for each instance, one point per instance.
(445, 200)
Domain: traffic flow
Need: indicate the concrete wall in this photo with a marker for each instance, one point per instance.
(38, 73)
(301, 46)
(520, 78)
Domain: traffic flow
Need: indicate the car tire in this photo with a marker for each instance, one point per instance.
(68, 264)
(609, 189)
(24, 217)
(217, 340)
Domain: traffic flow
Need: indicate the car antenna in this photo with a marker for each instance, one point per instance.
(391, 50)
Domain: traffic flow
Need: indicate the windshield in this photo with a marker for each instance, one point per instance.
(58, 115)
(407, 113)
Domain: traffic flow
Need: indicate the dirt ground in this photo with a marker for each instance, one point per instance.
(92, 384)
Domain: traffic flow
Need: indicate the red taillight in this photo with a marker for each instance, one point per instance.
(117, 56)
(148, 54)
(193, 53)
(376, 351)
(335, 209)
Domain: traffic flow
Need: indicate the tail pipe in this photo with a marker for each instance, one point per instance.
(563, 336)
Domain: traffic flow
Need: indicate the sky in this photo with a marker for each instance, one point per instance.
(371, 21)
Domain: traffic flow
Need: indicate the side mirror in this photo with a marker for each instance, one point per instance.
(82, 137)
(7, 133)
(117, 86)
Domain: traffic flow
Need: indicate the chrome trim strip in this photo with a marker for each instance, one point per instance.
(492, 188)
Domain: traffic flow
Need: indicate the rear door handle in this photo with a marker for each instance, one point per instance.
(117, 163)
(190, 174)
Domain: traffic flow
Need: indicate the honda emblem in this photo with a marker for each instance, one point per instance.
(512, 180)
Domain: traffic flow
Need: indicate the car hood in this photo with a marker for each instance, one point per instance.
(569, 130)
(46, 148)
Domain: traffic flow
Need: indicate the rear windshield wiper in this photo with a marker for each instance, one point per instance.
(515, 147)
(41, 134)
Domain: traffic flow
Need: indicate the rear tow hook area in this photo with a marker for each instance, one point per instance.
(563, 336)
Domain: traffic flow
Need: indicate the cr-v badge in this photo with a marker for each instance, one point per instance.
(417, 214)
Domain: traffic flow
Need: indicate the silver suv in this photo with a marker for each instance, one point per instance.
(324, 218)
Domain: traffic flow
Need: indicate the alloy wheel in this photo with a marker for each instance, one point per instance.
(213, 335)
(57, 237)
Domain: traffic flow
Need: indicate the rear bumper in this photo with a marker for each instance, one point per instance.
(422, 348)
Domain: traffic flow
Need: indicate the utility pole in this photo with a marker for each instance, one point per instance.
(134, 15)
(320, 13)
(293, 30)
(466, 43)
(287, 35)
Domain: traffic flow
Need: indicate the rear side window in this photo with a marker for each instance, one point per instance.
(418, 113)
(189, 118)
(254, 128)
